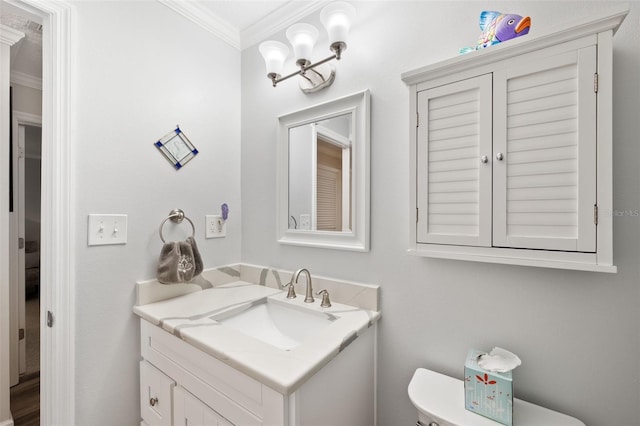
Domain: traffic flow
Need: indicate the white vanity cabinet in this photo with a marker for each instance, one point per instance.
(156, 395)
(190, 411)
(511, 151)
(182, 385)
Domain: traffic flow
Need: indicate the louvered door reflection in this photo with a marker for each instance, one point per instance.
(545, 132)
(454, 163)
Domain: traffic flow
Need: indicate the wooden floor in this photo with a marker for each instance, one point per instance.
(25, 401)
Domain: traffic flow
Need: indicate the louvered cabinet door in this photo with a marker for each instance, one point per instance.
(453, 182)
(545, 132)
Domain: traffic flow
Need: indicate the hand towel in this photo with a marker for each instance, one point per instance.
(179, 262)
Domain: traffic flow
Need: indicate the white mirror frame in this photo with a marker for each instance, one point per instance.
(357, 239)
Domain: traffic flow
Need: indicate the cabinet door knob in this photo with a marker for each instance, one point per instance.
(153, 401)
(484, 159)
(499, 156)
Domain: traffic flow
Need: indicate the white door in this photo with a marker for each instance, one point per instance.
(17, 258)
(17, 231)
(545, 132)
(329, 199)
(156, 394)
(454, 163)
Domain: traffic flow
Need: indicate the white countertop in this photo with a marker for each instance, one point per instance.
(189, 317)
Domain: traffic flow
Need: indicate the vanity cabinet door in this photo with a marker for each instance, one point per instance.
(156, 392)
(454, 158)
(190, 411)
(544, 185)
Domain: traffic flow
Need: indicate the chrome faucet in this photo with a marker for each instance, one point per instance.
(309, 294)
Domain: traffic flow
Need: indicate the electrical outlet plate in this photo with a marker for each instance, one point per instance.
(305, 222)
(215, 226)
(105, 229)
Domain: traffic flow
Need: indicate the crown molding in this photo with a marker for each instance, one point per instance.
(207, 20)
(26, 80)
(9, 36)
(278, 20)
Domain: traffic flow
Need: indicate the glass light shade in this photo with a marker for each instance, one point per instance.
(302, 37)
(274, 54)
(337, 18)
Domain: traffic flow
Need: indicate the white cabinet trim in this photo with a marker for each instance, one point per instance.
(519, 46)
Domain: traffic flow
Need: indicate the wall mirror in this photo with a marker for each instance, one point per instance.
(323, 175)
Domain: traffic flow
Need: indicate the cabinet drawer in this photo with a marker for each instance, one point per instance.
(156, 394)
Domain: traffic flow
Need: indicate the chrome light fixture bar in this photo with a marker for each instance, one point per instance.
(336, 17)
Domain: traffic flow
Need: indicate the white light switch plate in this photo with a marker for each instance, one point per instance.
(107, 229)
(215, 226)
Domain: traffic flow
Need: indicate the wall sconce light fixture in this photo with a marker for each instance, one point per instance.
(336, 18)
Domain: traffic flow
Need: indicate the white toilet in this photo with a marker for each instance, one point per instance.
(440, 402)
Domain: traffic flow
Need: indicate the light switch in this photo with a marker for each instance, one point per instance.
(107, 229)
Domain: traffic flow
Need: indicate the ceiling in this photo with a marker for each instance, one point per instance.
(26, 54)
(242, 13)
(243, 23)
(240, 23)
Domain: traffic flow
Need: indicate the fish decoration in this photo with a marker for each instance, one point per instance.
(498, 27)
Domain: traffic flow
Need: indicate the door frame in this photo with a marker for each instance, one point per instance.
(57, 377)
(8, 37)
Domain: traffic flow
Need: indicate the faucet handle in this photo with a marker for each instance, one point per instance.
(326, 303)
(291, 294)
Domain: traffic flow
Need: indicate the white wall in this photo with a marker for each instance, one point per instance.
(561, 323)
(301, 173)
(27, 99)
(140, 69)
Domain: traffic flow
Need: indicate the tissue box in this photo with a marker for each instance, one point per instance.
(487, 393)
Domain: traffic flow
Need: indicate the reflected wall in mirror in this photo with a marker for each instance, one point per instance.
(323, 175)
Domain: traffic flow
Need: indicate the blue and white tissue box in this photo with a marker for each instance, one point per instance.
(488, 393)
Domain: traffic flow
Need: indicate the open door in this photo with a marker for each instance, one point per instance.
(16, 255)
(25, 126)
(332, 179)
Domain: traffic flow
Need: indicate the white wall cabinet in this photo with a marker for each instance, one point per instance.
(511, 152)
(182, 385)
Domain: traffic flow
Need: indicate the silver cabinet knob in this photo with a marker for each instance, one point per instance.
(484, 159)
(499, 156)
(153, 402)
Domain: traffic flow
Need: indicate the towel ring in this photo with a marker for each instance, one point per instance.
(177, 216)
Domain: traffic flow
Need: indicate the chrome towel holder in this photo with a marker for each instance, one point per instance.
(177, 216)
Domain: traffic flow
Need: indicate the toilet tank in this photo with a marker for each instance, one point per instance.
(439, 400)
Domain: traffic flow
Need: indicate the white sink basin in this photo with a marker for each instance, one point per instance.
(280, 324)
